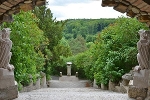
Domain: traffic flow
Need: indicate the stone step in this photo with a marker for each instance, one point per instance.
(68, 78)
(69, 84)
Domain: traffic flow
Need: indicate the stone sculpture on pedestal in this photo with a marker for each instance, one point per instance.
(143, 46)
(8, 88)
(141, 71)
(5, 47)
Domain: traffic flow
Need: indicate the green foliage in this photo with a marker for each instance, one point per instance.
(112, 54)
(87, 28)
(116, 49)
(26, 38)
(53, 32)
(78, 45)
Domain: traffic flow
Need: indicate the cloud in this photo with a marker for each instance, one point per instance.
(75, 9)
(63, 3)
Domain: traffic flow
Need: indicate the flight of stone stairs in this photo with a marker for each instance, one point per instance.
(69, 82)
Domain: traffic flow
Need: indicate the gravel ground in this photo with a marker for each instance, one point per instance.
(72, 94)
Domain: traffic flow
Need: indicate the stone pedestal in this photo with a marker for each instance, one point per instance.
(134, 92)
(140, 78)
(8, 88)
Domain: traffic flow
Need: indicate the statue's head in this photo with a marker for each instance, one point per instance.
(6, 33)
(143, 34)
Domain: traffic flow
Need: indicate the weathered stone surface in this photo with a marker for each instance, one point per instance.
(27, 88)
(135, 10)
(69, 68)
(37, 85)
(123, 89)
(137, 2)
(43, 82)
(94, 84)
(125, 82)
(127, 76)
(8, 6)
(140, 79)
(124, 6)
(139, 98)
(109, 3)
(68, 78)
(121, 8)
(31, 86)
(6, 78)
(117, 89)
(143, 46)
(9, 93)
(111, 86)
(134, 92)
(104, 87)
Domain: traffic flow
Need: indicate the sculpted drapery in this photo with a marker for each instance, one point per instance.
(5, 47)
(143, 46)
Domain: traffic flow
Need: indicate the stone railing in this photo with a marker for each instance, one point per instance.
(40, 83)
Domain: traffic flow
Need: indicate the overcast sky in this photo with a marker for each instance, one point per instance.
(75, 9)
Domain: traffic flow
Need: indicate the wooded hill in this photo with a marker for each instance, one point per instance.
(85, 27)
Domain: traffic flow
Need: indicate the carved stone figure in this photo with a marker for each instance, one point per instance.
(5, 47)
(143, 46)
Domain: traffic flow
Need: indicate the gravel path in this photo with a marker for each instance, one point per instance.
(71, 94)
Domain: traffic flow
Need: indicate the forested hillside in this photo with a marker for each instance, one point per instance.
(85, 27)
(81, 33)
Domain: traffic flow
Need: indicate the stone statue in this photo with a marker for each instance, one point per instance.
(5, 47)
(143, 46)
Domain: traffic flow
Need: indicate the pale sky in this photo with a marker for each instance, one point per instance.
(76, 9)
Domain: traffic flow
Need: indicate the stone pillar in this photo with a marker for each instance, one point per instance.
(111, 86)
(69, 68)
(60, 74)
(94, 84)
(76, 74)
(43, 80)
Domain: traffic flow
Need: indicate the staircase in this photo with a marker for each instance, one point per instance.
(69, 82)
